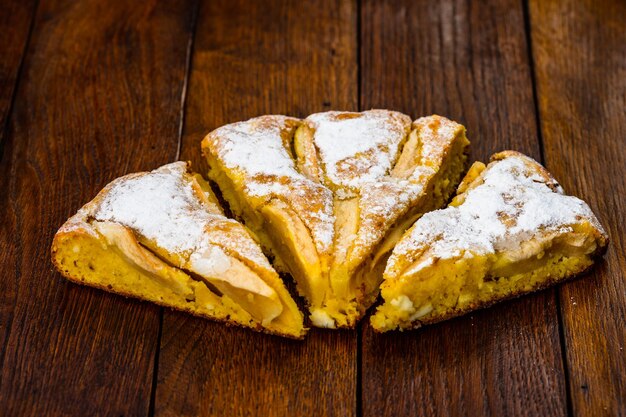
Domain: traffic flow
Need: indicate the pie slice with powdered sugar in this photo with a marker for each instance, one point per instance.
(329, 196)
(161, 236)
(509, 231)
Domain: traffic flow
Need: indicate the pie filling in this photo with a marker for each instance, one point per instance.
(112, 259)
(90, 260)
(432, 290)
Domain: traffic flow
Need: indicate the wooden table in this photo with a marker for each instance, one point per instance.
(93, 89)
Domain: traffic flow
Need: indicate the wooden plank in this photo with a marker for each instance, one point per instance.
(468, 61)
(580, 60)
(100, 96)
(253, 58)
(15, 21)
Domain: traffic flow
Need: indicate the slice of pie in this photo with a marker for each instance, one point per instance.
(161, 236)
(330, 196)
(509, 231)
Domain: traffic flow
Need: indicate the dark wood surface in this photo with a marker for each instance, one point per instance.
(15, 22)
(91, 90)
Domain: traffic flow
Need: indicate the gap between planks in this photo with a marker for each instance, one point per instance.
(559, 312)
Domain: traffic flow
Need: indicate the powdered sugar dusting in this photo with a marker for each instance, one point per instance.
(516, 202)
(258, 142)
(258, 149)
(382, 203)
(358, 147)
(162, 206)
(436, 134)
(159, 205)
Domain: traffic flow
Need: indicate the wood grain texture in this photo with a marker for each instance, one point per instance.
(100, 96)
(580, 56)
(468, 61)
(249, 59)
(15, 21)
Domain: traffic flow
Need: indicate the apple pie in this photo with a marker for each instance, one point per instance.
(330, 195)
(161, 236)
(509, 231)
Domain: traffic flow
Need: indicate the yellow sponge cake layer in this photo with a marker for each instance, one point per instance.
(85, 258)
